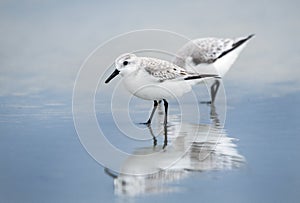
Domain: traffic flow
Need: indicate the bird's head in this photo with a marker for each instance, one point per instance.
(125, 64)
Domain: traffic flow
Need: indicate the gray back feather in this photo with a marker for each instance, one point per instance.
(162, 70)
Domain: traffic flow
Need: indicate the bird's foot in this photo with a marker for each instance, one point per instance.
(165, 145)
(154, 142)
(206, 102)
(148, 123)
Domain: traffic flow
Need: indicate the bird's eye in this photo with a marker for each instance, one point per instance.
(125, 63)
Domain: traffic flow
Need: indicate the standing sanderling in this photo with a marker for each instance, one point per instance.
(154, 79)
(210, 55)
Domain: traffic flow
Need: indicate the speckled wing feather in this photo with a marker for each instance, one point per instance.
(204, 50)
(207, 50)
(162, 70)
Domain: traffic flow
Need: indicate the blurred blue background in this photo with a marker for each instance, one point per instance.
(44, 43)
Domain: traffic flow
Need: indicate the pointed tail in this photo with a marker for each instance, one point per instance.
(202, 76)
(236, 45)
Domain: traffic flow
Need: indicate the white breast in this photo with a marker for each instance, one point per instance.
(144, 86)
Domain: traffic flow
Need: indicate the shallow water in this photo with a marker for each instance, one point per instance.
(253, 159)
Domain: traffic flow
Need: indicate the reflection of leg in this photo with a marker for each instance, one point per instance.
(152, 113)
(214, 89)
(154, 138)
(166, 111)
(214, 116)
(166, 136)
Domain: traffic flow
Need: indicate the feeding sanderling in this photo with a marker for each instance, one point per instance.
(154, 79)
(210, 55)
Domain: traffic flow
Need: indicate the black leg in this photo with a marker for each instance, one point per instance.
(214, 89)
(155, 104)
(166, 136)
(166, 111)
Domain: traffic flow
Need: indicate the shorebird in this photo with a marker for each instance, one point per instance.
(154, 79)
(210, 55)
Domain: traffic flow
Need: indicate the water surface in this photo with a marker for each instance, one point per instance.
(43, 160)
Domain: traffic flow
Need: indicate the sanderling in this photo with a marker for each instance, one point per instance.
(210, 55)
(154, 79)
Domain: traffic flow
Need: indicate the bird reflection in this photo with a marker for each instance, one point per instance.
(205, 147)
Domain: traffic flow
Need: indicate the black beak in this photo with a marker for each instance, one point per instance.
(114, 74)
